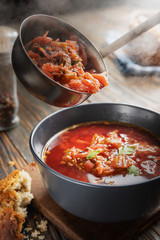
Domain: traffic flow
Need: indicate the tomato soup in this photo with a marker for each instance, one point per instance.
(104, 153)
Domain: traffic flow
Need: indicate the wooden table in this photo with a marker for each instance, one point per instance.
(139, 91)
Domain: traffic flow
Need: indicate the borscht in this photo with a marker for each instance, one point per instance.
(110, 153)
(65, 62)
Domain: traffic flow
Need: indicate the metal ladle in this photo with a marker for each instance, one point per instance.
(41, 86)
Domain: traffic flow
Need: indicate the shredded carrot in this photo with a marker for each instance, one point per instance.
(64, 63)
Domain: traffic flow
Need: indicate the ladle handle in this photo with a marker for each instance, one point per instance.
(143, 27)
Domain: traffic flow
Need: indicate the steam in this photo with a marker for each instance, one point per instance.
(17, 10)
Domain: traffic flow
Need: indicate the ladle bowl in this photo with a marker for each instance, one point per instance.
(39, 84)
(33, 79)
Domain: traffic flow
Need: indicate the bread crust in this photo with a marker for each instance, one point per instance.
(14, 197)
(10, 224)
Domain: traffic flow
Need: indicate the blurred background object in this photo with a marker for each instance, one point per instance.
(142, 55)
(17, 10)
(8, 86)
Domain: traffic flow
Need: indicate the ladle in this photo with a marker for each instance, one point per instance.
(41, 86)
(129, 36)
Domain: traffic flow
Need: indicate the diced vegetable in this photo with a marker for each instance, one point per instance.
(93, 154)
(126, 150)
(88, 165)
(133, 170)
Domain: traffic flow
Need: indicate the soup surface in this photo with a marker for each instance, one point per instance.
(104, 153)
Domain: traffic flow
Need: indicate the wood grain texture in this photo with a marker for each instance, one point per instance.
(78, 229)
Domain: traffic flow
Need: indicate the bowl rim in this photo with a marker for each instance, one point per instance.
(52, 171)
(52, 18)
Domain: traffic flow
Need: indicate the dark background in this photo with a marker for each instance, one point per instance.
(14, 11)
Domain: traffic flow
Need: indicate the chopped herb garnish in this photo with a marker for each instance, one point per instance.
(93, 154)
(126, 150)
(133, 170)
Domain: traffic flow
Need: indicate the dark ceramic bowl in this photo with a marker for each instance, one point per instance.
(89, 201)
(33, 79)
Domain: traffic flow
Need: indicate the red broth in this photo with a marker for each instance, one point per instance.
(104, 153)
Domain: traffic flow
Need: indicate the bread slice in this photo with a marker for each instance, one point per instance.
(15, 195)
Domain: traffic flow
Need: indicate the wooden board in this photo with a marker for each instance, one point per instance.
(77, 229)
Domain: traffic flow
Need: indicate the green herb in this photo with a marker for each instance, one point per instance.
(133, 170)
(126, 150)
(93, 154)
(78, 62)
(79, 65)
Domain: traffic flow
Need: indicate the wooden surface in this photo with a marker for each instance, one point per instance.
(139, 91)
(75, 228)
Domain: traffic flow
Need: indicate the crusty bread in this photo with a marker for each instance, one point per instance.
(10, 224)
(15, 195)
